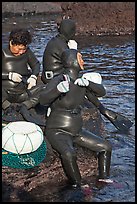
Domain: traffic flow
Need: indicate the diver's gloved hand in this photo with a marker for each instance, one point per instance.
(15, 77)
(73, 44)
(81, 82)
(63, 86)
(31, 81)
(93, 77)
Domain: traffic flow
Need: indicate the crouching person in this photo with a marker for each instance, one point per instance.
(20, 70)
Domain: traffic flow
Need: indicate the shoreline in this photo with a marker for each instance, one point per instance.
(92, 19)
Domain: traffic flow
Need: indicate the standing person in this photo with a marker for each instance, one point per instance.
(20, 70)
(52, 65)
(66, 93)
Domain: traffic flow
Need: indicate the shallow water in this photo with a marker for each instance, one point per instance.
(114, 59)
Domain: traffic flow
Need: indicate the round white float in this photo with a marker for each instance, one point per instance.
(21, 137)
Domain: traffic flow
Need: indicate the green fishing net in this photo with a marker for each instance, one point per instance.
(24, 161)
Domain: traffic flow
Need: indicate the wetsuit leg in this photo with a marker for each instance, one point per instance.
(99, 145)
(104, 160)
(62, 143)
(31, 97)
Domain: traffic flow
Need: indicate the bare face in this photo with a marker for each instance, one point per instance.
(80, 60)
(17, 49)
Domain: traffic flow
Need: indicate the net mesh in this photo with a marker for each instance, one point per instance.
(24, 161)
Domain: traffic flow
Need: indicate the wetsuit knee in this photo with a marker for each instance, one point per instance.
(69, 155)
(107, 147)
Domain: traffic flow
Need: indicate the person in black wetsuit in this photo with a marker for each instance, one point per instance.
(20, 70)
(52, 64)
(65, 94)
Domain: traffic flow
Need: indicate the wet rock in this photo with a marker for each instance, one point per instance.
(101, 18)
(43, 183)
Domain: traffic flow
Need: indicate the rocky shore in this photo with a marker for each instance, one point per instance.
(33, 8)
(92, 18)
(102, 18)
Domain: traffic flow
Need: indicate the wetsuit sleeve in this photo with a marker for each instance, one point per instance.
(51, 92)
(97, 89)
(33, 63)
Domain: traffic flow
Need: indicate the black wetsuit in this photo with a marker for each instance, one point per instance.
(52, 64)
(14, 92)
(64, 124)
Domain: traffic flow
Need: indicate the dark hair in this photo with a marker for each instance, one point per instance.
(20, 36)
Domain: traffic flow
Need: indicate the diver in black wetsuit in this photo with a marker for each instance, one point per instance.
(20, 69)
(52, 65)
(65, 94)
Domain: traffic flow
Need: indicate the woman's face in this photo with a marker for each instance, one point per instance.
(18, 49)
(80, 60)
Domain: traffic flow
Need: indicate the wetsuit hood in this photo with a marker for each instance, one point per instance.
(70, 63)
(67, 28)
